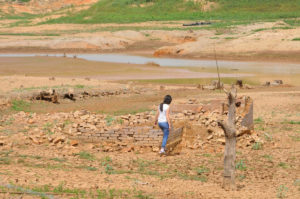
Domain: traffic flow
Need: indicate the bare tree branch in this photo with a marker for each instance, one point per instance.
(230, 140)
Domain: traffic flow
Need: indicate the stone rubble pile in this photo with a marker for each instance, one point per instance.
(57, 95)
(80, 94)
(125, 131)
(273, 83)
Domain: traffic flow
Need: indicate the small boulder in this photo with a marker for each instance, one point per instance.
(59, 139)
(74, 143)
(221, 141)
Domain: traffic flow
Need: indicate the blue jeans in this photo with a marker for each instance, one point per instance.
(164, 126)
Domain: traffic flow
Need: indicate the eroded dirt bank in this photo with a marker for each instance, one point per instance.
(259, 41)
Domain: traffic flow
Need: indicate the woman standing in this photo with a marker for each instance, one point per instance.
(163, 119)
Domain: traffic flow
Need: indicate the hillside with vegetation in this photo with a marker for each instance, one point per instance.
(126, 11)
(237, 28)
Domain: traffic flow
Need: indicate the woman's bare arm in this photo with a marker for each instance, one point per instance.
(156, 116)
(168, 118)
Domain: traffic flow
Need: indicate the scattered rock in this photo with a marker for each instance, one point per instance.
(267, 84)
(210, 137)
(247, 86)
(209, 87)
(30, 121)
(155, 149)
(34, 140)
(74, 143)
(128, 149)
(221, 140)
(58, 139)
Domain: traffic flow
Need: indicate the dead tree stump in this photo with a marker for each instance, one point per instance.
(239, 83)
(50, 96)
(230, 144)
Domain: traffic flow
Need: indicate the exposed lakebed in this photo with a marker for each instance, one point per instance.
(241, 66)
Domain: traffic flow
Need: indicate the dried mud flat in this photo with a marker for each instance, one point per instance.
(77, 169)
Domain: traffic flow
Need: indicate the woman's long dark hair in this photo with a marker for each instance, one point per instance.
(167, 100)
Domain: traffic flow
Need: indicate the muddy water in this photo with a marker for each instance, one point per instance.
(264, 67)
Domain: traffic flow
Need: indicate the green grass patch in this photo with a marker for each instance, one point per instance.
(282, 28)
(129, 11)
(294, 122)
(273, 28)
(283, 165)
(228, 38)
(58, 159)
(281, 191)
(258, 120)
(47, 128)
(208, 155)
(257, 146)
(268, 137)
(109, 120)
(89, 168)
(79, 86)
(21, 16)
(9, 121)
(47, 191)
(260, 29)
(296, 39)
(185, 176)
(241, 165)
(268, 157)
(61, 189)
(241, 177)
(295, 138)
(20, 105)
(202, 169)
(47, 166)
(29, 156)
(122, 193)
(293, 22)
(85, 155)
(106, 163)
(5, 160)
(290, 122)
(5, 153)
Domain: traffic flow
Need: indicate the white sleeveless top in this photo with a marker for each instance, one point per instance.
(162, 114)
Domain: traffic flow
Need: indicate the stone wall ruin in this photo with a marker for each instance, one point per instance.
(195, 126)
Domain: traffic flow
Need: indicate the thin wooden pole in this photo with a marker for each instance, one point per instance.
(219, 79)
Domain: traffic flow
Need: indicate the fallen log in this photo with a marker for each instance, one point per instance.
(197, 24)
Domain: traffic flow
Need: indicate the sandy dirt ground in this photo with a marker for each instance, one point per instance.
(85, 171)
(268, 172)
